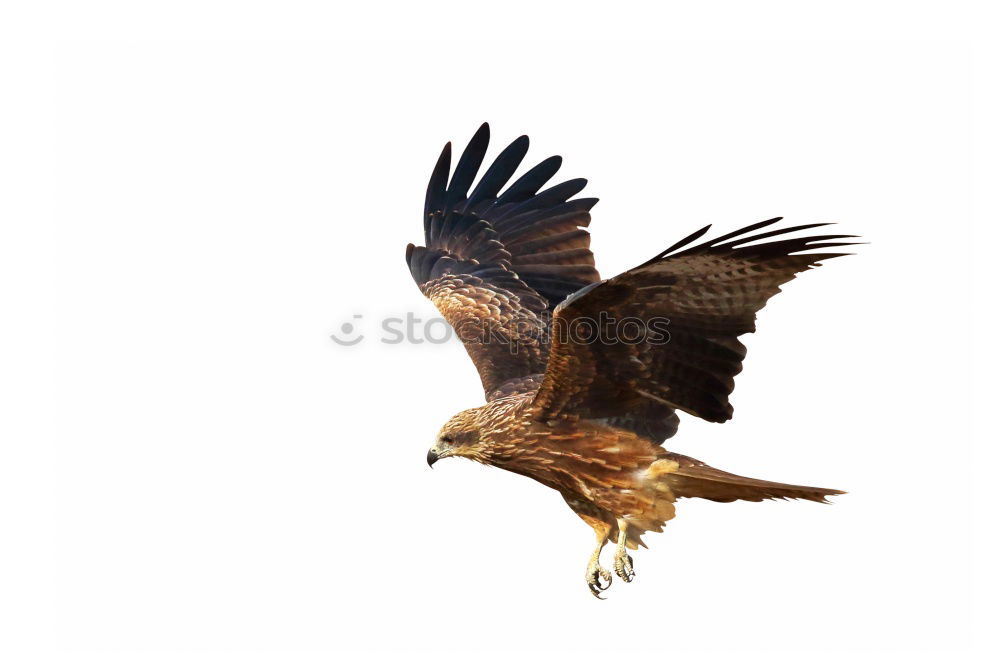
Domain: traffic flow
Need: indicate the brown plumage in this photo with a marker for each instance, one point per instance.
(583, 377)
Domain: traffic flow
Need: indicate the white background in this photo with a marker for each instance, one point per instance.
(193, 470)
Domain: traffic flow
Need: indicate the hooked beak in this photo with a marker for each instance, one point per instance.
(432, 457)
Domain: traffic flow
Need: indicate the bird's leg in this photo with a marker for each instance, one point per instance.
(595, 572)
(623, 561)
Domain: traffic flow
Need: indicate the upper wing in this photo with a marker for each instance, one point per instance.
(496, 264)
(684, 310)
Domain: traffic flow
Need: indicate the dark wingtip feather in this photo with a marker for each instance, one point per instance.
(679, 244)
(733, 234)
(545, 221)
(775, 232)
(532, 180)
(738, 243)
(499, 173)
(438, 183)
(468, 166)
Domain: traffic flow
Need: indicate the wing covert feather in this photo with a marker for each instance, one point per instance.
(690, 306)
(496, 264)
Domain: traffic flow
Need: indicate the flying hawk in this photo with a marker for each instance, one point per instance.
(584, 377)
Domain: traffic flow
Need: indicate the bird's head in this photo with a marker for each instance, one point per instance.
(459, 437)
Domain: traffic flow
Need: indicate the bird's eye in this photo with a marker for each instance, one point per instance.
(447, 440)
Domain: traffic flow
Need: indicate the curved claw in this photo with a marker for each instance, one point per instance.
(594, 577)
(596, 589)
(623, 567)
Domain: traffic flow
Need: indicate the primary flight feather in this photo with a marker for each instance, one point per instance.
(584, 377)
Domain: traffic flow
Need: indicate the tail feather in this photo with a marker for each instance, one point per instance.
(693, 478)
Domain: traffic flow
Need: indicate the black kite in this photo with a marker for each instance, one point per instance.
(584, 377)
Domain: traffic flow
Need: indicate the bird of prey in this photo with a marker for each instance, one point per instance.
(584, 377)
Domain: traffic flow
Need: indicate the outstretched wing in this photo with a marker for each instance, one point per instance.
(495, 265)
(667, 330)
